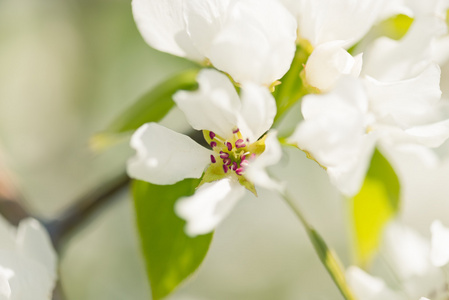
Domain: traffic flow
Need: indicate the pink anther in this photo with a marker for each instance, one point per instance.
(239, 171)
(240, 143)
(224, 155)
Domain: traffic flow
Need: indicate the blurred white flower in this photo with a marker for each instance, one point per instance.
(341, 128)
(27, 262)
(440, 244)
(335, 132)
(411, 259)
(425, 42)
(252, 40)
(331, 27)
(322, 21)
(232, 127)
(328, 62)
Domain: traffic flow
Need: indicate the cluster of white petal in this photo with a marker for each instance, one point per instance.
(331, 27)
(27, 262)
(393, 103)
(252, 40)
(417, 264)
(390, 99)
(166, 157)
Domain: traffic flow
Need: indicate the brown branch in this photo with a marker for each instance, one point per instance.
(10, 199)
(12, 211)
(83, 208)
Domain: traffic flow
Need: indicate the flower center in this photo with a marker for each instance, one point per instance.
(231, 157)
(232, 154)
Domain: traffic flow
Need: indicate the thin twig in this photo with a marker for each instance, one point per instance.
(83, 208)
(10, 198)
(12, 210)
(327, 256)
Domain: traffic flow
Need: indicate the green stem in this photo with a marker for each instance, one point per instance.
(292, 88)
(327, 256)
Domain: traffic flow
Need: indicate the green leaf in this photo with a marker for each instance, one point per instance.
(155, 104)
(292, 87)
(377, 203)
(171, 256)
(395, 27)
(331, 262)
(447, 18)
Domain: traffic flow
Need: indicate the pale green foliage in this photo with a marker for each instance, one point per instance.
(155, 104)
(377, 202)
(171, 256)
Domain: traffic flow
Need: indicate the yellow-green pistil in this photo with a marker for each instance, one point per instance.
(231, 157)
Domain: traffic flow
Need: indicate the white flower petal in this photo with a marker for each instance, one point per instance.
(293, 6)
(214, 106)
(161, 24)
(440, 50)
(406, 251)
(432, 135)
(334, 132)
(31, 279)
(408, 102)
(165, 156)
(257, 42)
(322, 21)
(204, 20)
(390, 60)
(348, 97)
(395, 7)
(5, 288)
(439, 254)
(328, 62)
(428, 7)
(414, 152)
(256, 171)
(28, 264)
(210, 204)
(257, 112)
(367, 287)
(33, 242)
(349, 176)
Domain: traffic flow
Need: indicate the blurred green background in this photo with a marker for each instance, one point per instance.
(67, 68)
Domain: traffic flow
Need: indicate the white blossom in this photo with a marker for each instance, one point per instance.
(27, 262)
(412, 259)
(341, 128)
(234, 128)
(331, 27)
(252, 40)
